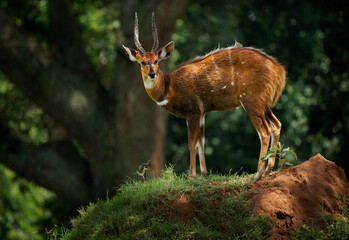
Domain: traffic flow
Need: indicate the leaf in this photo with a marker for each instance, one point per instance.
(292, 152)
(269, 154)
(289, 164)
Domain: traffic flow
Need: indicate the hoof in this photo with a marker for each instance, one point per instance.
(256, 177)
(266, 174)
(267, 171)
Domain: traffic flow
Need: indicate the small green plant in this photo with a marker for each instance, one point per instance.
(281, 154)
(144, 170)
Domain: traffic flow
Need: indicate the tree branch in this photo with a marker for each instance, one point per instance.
(56, 166)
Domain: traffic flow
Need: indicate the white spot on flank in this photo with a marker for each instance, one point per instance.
(244, 83)
(232, 83)
(243, 62)
(212, 90)
(224, 87)
(240, 95)
(162, 103)
(244, 94)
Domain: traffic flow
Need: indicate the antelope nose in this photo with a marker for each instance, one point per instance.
(152, 74)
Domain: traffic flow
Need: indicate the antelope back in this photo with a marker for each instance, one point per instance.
(224, 77)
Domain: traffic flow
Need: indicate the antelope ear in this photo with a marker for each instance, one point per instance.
(134, 55)
(165, 52)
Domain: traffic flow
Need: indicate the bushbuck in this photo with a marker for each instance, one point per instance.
(223, 79)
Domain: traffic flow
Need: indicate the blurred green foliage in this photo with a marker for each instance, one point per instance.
(28, 211)
(309, 38)
(98, 22)
(25, 118)
(21, 207)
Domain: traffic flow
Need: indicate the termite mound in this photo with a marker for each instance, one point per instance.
(290, 197)
(297, 195)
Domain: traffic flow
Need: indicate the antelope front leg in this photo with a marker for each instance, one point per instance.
(275, 127)
(193, 124)
(264, 138)
(260, 124)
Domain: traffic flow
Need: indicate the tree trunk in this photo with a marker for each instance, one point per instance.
(117, 129)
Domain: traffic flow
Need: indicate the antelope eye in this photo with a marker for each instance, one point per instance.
(156, 62)
(144, 63)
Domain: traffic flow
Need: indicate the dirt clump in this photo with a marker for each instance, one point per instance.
(183, 210)
(297, 195)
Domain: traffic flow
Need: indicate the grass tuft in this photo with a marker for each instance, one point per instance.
(335, 227)
(173, 207)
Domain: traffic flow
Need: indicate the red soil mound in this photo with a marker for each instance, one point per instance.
(292, 196)
(183, 209)
(297, 194)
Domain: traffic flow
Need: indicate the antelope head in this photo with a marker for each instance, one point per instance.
(149, 60)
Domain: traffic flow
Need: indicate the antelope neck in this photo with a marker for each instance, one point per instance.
(161, 86)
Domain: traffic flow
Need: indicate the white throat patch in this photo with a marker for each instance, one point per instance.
(149, 83)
